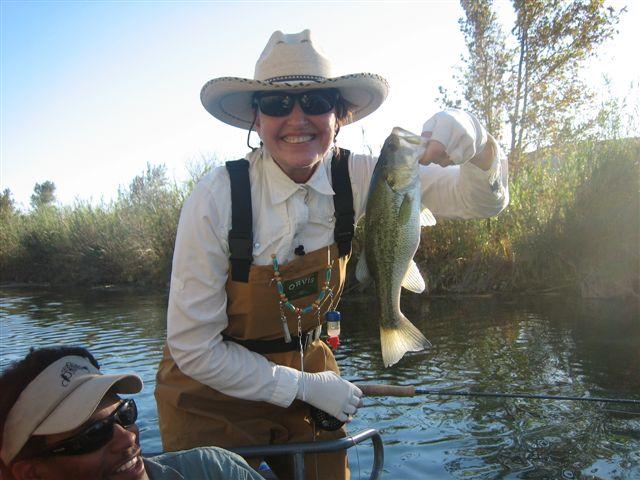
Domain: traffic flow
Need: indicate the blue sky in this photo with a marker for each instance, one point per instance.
(93, 91)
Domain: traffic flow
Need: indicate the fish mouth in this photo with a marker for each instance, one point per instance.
(408, 136)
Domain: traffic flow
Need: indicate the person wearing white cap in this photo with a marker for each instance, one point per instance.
(262, 247)
(61, 418)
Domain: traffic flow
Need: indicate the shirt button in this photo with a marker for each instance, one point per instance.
(331, 219)
(256, 245)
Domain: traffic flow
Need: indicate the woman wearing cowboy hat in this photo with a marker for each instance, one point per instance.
(262, 247)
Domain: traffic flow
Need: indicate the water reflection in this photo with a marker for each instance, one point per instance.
(538, 345)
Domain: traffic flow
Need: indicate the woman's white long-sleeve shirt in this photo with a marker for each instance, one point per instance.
(285, 215)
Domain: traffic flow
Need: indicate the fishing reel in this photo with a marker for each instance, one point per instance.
(324, 421)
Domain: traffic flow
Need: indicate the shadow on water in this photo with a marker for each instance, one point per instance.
(551, 345)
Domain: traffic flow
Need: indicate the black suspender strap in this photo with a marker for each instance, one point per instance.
(241, 233)
(342, 202)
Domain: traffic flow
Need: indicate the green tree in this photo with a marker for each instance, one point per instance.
(554, 38)
(535, 88)
(7, 205)
(484, 80)
(148, 187)
(43, 194)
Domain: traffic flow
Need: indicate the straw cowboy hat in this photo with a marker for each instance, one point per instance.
(290, 62)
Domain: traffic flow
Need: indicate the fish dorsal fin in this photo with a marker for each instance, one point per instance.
(362, 269)
(412, 280)
(426, 218)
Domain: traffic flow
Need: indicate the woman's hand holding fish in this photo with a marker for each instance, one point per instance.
(435, 153)
(455, 137)
(330, 393)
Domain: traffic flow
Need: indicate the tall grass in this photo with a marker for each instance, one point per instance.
(573, 222)
(129, 240)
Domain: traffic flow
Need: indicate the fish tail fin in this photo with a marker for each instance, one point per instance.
(398, 340)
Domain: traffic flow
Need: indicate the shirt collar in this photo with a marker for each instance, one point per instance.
(281, 187)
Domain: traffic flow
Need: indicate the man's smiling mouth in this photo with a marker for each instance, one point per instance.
(129, 465)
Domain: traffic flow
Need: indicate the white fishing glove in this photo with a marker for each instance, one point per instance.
(330, 393)
(460, 132)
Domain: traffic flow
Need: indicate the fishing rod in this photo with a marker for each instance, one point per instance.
(326, 422)
(378, 390)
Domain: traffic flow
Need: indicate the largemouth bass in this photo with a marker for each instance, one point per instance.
(391, 236)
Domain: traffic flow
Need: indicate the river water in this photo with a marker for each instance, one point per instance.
(546, 344)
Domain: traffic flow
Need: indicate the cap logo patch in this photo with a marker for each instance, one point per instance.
(69, 370)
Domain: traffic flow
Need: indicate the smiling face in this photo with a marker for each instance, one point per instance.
(119, 459)
(297, 142)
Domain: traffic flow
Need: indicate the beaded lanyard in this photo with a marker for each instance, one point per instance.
(285, 304)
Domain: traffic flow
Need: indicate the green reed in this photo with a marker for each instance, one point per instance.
(572, 222)
(129, 240)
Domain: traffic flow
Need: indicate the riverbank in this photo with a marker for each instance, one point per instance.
(572, 223)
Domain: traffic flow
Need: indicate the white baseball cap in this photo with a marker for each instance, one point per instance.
(61, 398)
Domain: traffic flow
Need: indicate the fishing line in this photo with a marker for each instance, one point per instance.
(624, 412)
(425, 391)
(315, 455)
(357, 456)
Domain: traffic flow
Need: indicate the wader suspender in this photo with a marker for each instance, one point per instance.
(241, 233)
(342, 202)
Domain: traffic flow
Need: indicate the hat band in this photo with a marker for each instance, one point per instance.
(296, 78)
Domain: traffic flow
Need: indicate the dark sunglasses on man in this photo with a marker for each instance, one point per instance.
(280, 104)
(97, 434)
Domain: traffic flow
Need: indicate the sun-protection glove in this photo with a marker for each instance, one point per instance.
(460, 132)
(330, 393)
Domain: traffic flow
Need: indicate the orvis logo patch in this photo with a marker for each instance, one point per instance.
(301, 287)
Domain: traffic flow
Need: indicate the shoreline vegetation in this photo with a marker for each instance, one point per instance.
(572, 226)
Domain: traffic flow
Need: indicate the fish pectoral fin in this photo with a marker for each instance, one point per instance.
(412, 280)
(426, 218)
(405, 210)
(401, 338)
(362, 269)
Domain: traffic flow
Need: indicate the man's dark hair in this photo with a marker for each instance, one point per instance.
(15, 378)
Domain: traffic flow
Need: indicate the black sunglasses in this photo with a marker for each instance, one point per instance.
(96, 435)
(280, 104)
